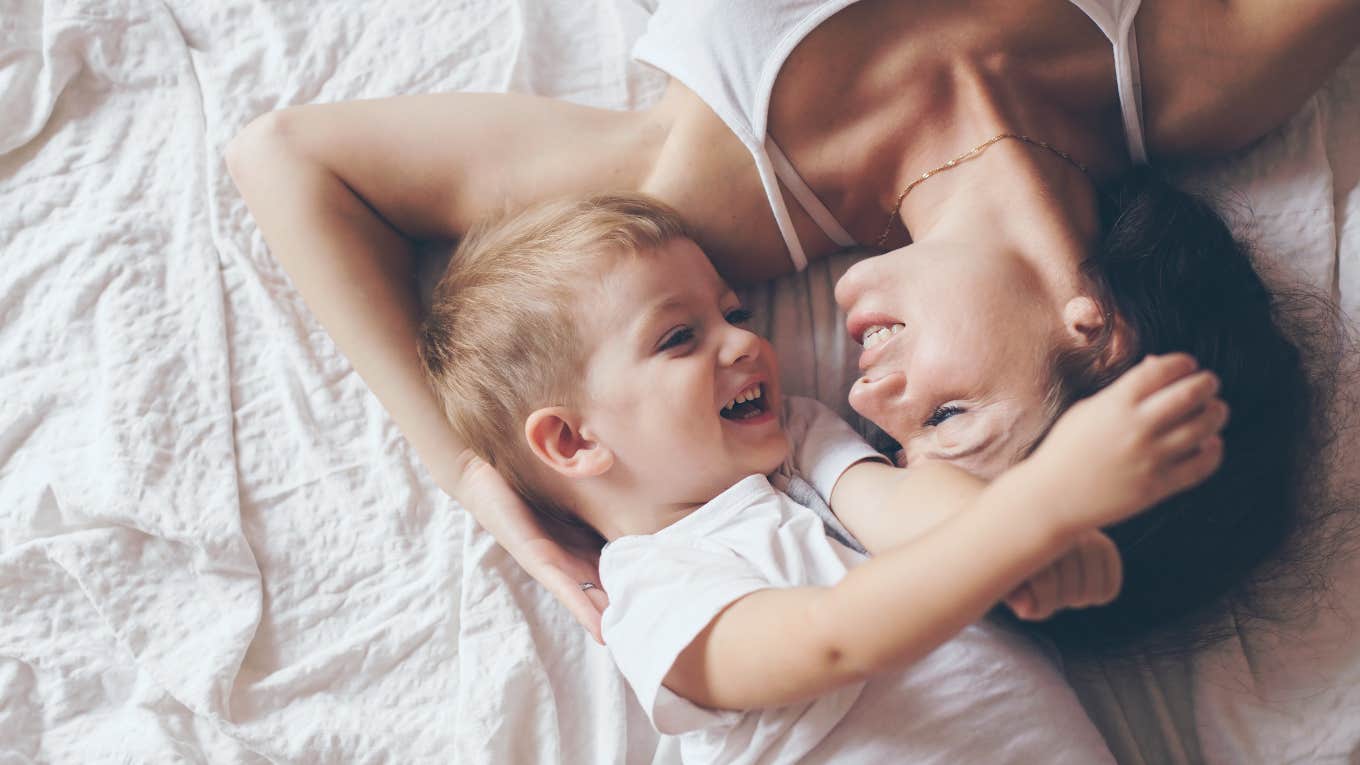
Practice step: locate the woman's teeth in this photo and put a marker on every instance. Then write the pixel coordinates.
(879, 334)
(750, 394)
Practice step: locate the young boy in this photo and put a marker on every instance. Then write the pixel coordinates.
(594, 356)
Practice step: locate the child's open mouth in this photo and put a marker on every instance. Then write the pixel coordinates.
(747, 404)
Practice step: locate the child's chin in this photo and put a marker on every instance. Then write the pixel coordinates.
(765, 465)
(774, 460)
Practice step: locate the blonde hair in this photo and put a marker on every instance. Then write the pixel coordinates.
(501, 337)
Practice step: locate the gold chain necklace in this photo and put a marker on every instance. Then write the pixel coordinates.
(964, 157)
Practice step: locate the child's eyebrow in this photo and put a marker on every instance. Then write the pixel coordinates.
(677, 302)
(642, 328)
(662, 308)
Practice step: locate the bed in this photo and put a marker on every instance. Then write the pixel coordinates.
(216, 547)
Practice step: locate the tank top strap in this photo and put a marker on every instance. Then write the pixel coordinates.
(806, 197)
(1115, 20)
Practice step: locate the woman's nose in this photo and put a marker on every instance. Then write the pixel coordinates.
(853, 284)
(880, 400)
(865, 277)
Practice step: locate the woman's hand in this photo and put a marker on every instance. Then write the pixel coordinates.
(342, 191)
(561, 569)
(1090, 574)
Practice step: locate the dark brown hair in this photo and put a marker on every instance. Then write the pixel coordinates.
(1176, 279)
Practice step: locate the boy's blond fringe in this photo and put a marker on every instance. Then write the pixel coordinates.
(502, 340)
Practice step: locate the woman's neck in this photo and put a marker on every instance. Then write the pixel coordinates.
(1014, 197)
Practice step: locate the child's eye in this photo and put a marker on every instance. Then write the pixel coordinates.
(738, 316)
(942, 414)
(677, 338)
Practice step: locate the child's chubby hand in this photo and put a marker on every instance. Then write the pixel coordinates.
(1152, 433)
(1090, 574)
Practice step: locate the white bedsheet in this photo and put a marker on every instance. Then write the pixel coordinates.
(216, 547)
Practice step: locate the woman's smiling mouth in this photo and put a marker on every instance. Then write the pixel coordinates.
(877, 342)
(880, 333)
(872, 331)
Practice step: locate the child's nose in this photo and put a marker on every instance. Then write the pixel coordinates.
(738, 344)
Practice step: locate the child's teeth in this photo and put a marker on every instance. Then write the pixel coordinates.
(750, 394)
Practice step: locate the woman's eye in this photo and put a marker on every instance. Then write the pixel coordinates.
(677, 338)
(942, 414)
(738, 316)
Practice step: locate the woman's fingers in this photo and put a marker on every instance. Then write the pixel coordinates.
(584, 606)
(563, 572)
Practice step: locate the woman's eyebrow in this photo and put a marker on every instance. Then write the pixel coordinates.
(980, 449)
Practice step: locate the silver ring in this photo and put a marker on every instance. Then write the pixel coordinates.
(587, 586)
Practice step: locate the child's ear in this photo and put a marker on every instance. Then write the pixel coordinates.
(554, 434)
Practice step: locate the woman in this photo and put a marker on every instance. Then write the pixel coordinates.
(1029, 266)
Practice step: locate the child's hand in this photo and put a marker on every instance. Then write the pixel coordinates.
(1090, 574)
(1150, 434)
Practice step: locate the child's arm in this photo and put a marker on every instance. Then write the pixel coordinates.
(1151, 434)
(886, 507)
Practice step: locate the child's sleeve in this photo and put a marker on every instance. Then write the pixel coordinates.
(661, 596)
(824, 445)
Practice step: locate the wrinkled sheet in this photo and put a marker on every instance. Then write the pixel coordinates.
(216, 547)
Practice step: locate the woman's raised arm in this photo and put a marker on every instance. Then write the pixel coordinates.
(342, 192)
(1219, 74)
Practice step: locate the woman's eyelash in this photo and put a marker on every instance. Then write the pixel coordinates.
(942, 414)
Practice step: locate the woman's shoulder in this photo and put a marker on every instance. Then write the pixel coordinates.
(1218, 75)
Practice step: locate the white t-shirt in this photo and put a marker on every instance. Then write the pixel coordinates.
(988, 695)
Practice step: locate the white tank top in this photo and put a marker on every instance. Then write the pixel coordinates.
(729, 53)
